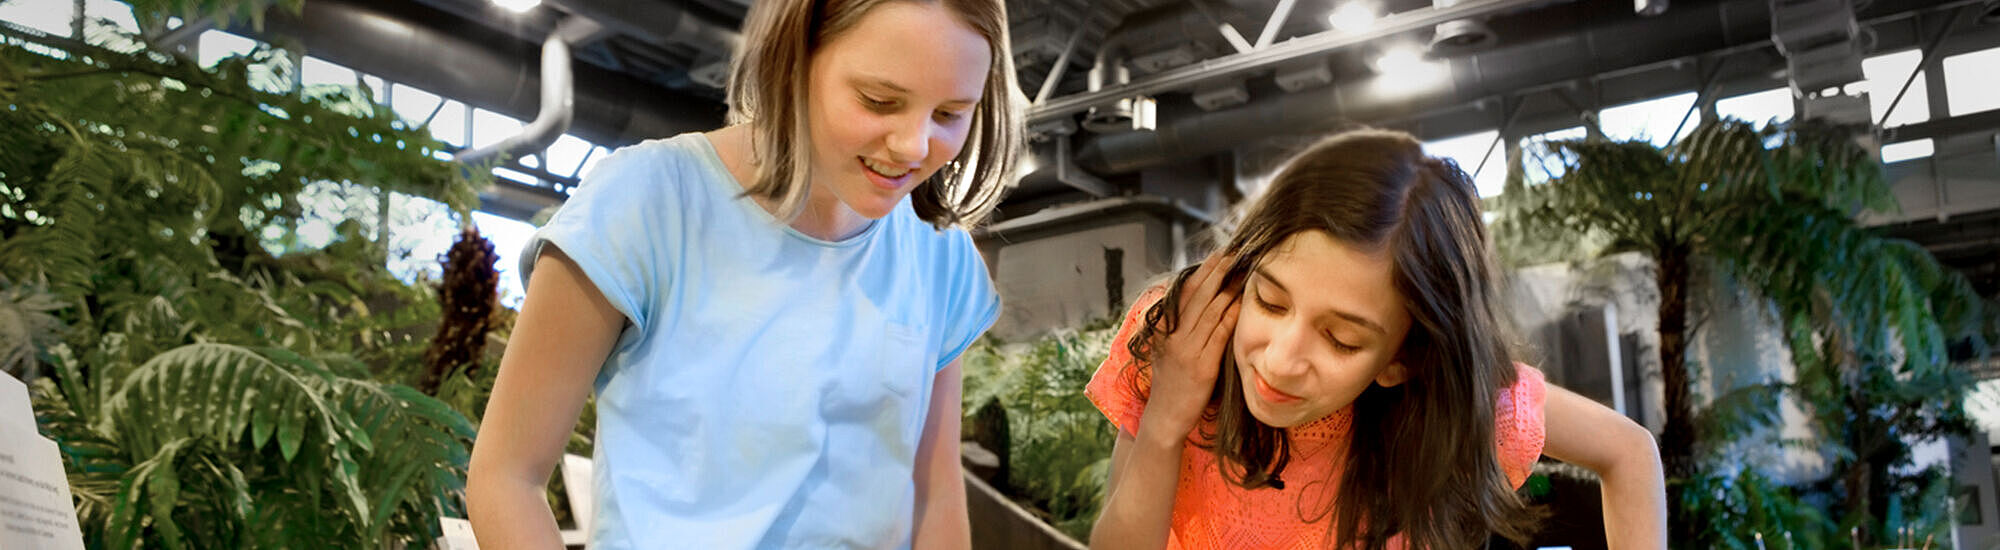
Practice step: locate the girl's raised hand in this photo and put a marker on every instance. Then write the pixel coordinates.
(1188, 359)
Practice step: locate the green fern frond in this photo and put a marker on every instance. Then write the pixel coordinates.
(220, 391)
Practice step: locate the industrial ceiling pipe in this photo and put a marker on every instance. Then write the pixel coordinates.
(611, 109)
(1110, 65)
(1136, 34)
(663, 23)
(658, 22)
(558, 106)
(1200, 133)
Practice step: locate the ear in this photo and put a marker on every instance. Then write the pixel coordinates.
(1392, 374)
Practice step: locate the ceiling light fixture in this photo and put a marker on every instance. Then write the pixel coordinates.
(1405, 69)
(518, 6)
(1351, 17)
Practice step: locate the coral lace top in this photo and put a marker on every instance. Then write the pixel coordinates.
(1211, 512)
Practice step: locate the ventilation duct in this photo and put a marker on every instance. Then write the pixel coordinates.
(1818, 40)
(558, 105)
(1110, 66)
(610, 109)
(663, 23)
(1151, 41)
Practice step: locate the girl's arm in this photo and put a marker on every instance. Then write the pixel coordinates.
(941, 516)
(1139, 501)
(1587, 434)
(1145, 467)
(565, 331)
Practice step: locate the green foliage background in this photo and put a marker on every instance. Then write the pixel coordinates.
(1877, 329)
(1059, 444)
(211, 381)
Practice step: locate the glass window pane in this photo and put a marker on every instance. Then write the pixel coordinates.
(375, 86)
(325, 205)
(216, 45)
(413, 104)
(1972, 81)
(49, 16)
(420, 230)
(515, 176)
(596, 154)
(489, 128)
(320, 71)
(1541, 164)
(1653, 120)
(117, 13)
(449, 124)
(509, 236)
(1470, 152)
(1908, 150)
(566, 154)
(1886, 74)
(1759, 108)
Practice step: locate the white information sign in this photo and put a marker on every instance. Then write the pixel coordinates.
(36, 512)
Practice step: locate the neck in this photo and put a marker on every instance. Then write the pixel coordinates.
(826, 218)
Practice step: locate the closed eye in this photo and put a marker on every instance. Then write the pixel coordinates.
(879, 105)
(1341, 346)
(1273, 308)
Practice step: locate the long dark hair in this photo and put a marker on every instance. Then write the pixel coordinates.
(1423, 460)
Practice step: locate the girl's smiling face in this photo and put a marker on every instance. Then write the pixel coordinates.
(891, 101)
(1320, 321)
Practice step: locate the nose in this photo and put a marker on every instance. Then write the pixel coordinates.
(910, 141)
(1285, 355)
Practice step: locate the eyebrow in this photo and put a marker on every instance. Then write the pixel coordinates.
(893, 87)
(1356, 319)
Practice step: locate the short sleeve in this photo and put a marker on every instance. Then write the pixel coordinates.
(1112, 388)
(971, 303)
(1519, 424)
(614, 225)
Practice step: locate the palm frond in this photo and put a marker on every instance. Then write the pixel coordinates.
(415, 470)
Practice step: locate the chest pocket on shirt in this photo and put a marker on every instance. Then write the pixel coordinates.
(883, 382)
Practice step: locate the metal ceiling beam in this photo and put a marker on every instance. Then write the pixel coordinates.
(662, 23)
(1929, 60)
(1184, 133)
(1243, 65)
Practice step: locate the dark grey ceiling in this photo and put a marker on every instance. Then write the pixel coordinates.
(653, 69)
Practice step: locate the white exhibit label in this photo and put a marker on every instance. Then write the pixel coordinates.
(36, 512)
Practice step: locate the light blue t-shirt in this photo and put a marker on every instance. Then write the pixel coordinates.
(770, 388)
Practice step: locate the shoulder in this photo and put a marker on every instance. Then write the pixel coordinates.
(1522, 402)
(1529, 385)
(1519, 427)
(1120, 362)
(1119, 386)
(645, 155)
(652, 164)
(951, 248)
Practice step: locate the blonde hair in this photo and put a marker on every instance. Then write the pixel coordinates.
(768, 89)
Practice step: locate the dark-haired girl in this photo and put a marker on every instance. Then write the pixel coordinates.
(1337, 376)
